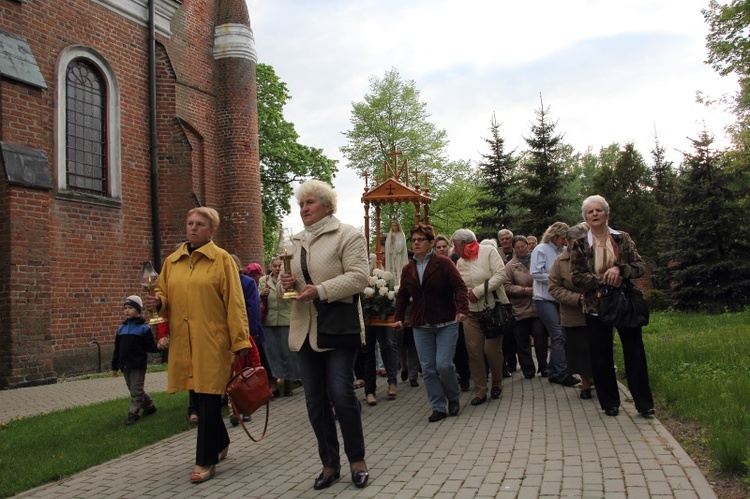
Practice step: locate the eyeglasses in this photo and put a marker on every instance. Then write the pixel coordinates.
(418, 239)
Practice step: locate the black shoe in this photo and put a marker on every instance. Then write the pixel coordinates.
(149, 410)
(614, 411)
(478, 401)
(360, 477)
(464, 385)
(436, 416)
(648, 413)
(233, 419)
(413, 382)
(543, 373)
(506, 374)
(495, 392)
(325, 480)
(566, 381)
(246, 418)
(276, 393)
(529, 375)
(453, 407)
(404, 375)
(586, 393)
(132, 418)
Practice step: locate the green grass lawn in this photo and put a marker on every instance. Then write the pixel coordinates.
(699, 368)
(48, 447)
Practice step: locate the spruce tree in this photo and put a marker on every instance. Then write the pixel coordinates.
(495, 183)
(542, 198)
(665, 183)
(710, 257)
(627, 186)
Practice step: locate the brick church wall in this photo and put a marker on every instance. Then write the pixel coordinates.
(66, 265)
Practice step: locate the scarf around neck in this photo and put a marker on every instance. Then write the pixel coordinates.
(471, 251)
(525, 260)
(314, 229)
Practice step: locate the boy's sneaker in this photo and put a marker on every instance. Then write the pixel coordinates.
(149, 410)
(132, 418)
(233, 419)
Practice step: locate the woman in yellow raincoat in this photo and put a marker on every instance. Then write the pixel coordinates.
(200, 292)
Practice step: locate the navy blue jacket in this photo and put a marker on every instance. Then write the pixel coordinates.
(133, 341)
(252, 303)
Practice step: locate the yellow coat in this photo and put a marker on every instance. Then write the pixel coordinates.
(202, 297)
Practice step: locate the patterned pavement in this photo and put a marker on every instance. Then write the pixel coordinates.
(537, 440)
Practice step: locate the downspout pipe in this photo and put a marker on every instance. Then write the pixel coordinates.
(153, 150)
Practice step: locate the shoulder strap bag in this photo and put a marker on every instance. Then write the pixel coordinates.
(497, 320)
(622, 307)
(247, 391)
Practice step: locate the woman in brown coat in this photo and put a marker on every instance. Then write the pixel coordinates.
(570, 297)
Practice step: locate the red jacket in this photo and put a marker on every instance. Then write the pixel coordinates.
(438, 299)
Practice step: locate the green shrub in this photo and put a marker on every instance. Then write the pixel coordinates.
(657, 300)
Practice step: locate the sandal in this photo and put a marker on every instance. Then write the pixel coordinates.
(200, 477)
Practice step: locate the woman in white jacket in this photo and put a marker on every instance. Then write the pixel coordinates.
(477, 264)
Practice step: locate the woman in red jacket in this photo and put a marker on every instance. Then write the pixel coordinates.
(439, 303)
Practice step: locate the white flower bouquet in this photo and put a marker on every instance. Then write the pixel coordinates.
(379, 298)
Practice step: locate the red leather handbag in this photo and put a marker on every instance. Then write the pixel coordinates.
(248, 391)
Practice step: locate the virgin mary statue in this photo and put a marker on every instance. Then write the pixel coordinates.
(396, 255)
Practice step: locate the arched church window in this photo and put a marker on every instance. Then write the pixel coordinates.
(86, 134)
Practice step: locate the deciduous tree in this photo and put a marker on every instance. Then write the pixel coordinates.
(283, 160)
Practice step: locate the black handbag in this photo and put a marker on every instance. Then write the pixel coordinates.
(497, 320)
(622, 307)
(338, 322)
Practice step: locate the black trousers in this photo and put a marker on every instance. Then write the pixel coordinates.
(461, 358)
(329, 394)
(212, 434)
(601, 338)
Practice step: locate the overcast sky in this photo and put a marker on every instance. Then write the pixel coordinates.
(609, 71)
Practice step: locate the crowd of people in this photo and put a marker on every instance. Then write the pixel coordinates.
(222, 313)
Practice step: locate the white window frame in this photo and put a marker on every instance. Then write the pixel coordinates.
(114, 160)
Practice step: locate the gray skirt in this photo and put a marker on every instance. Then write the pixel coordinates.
(283, 361)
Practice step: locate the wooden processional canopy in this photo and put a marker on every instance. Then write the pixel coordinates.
(394, 188)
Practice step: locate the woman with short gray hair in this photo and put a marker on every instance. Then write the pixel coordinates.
(608, 257)
(478, 264)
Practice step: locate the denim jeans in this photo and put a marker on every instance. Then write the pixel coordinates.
(549, 314)
(327, 380)
(386, 338)
(436, 348)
